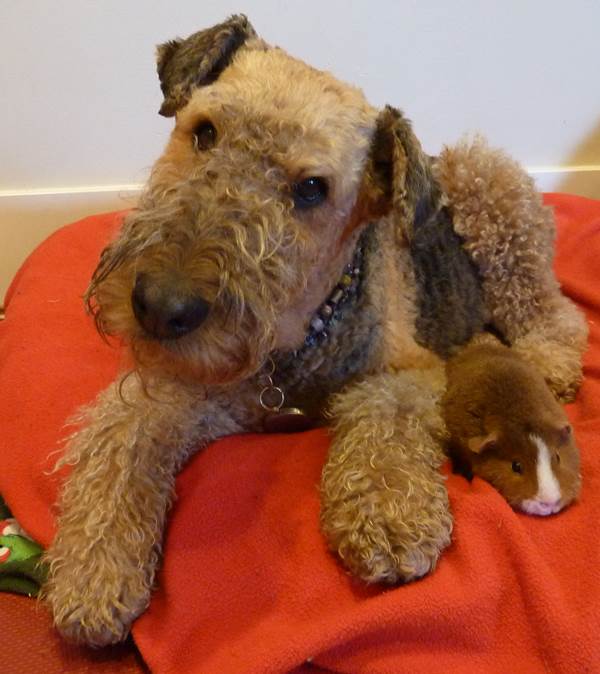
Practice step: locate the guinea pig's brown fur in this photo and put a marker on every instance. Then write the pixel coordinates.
(506, 427)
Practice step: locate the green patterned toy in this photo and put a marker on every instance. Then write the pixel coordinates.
(20, 567)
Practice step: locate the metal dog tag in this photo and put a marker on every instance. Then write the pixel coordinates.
(287, 420)
(279, 419)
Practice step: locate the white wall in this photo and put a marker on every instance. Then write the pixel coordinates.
(80, 94)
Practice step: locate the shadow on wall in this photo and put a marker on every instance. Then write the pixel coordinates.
(585, 158)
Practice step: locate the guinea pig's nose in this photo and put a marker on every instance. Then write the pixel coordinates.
(546, 507)
(543, 508)
(167, 309)
(550, 502)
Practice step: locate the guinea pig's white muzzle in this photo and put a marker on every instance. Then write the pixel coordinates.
(548, 499)
(533, 506)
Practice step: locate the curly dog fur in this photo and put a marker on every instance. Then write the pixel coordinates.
(450, 246)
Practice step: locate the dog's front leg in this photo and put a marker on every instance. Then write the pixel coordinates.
(384, 504)
(113, 505)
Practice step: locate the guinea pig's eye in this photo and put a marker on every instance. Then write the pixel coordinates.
(517, 467)
(557, 456)
(310, 192)
(205, 136)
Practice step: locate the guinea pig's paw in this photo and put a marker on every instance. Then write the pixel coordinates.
(566, 394)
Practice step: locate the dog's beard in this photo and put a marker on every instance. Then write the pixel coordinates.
(230, 345)
(247, 268)
(217, 353)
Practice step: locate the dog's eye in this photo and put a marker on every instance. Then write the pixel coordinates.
(517, 467)
(310, 192)
(205, 136)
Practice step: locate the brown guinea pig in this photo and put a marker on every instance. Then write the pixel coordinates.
(506, 427)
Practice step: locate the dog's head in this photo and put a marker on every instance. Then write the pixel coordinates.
(271, 173)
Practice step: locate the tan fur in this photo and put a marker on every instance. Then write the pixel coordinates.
(384, 504)
(510, 236)
(223, 219)
(399, 349)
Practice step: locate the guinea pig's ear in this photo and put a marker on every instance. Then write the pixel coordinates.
(481, 443)
(198, 60)
(397, 178)
(565, 434)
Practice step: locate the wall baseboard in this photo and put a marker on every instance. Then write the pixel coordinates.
(28, 216)
(581, 180)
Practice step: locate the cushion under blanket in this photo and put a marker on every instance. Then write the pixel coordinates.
(248, 585)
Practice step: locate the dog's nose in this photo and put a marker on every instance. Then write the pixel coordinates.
(166, 310)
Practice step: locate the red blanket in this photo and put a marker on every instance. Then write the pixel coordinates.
(248, 585)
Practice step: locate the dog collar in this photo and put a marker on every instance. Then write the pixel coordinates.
(331, 310)
(281, 419)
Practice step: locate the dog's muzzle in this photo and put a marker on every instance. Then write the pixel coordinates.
(167, 309)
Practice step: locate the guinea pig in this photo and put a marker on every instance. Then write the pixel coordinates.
(506, 427)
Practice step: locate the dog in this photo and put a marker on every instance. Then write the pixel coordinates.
(295, 258)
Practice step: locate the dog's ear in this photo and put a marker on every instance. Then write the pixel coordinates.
(397, 178)
(198, 60)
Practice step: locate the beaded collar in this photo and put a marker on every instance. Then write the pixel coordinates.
(330, 311)
(280, 419)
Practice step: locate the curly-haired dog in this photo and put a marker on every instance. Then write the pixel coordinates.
(294, 241)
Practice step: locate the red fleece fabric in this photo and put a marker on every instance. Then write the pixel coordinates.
(247, 584)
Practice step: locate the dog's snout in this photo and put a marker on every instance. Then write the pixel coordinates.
(167, 310)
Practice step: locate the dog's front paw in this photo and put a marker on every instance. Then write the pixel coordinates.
(386, 537)
(93, 601)
(88, 625)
